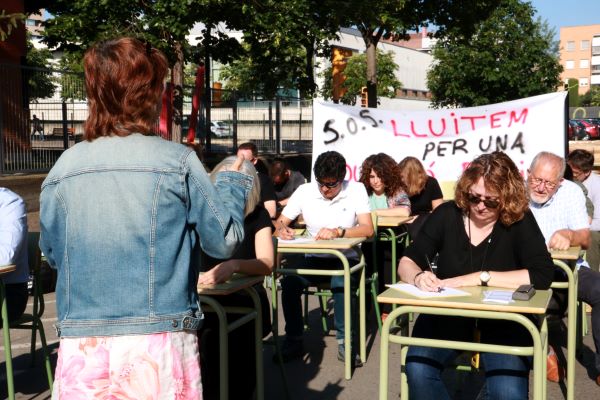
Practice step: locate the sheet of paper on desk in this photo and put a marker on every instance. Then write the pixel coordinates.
(415, 291)
(301, 239)
(498, 296)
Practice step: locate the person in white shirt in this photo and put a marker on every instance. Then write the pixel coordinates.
(581, 163)
(559, 208)
(332, 208)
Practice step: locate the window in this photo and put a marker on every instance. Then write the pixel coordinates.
(585, 45)
(583, 82)
(584, 63)
(569, 64)
(571, 45)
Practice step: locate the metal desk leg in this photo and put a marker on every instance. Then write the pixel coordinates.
(260, 389)
(7, 348)
(223, 346)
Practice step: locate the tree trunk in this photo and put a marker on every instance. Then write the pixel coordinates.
(371, 46)
(177, 79)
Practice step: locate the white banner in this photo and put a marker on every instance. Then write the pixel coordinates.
(444, 140)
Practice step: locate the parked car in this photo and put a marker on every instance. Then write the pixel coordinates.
(576, 131)
(220, 129)
(592, 129)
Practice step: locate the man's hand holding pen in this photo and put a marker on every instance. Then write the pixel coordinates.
(283, 231)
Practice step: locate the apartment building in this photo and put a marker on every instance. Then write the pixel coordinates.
(580, 55)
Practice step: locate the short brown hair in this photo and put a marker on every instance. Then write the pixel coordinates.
(582, 159)
(386, 169)
(249, 146)
(124, 81)
(413, 175)
(501, 175)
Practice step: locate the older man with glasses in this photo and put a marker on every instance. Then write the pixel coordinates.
(559, 209)
(332, 208)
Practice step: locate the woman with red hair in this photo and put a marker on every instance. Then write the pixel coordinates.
(123, 216)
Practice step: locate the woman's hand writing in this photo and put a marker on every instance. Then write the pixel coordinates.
(427, 281)
(219, 273)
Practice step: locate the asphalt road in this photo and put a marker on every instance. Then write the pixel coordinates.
(318, 376)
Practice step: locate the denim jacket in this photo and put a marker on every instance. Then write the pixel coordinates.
(120, 220)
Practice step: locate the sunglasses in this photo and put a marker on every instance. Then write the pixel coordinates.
(489, 203)
(329, 185)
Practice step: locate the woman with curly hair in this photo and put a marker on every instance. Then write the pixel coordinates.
(487, 236)
(381, 176)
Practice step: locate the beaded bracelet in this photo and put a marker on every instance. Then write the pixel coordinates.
(415, 278)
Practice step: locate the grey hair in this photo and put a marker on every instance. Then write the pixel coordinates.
(552, 158)
(246, 168)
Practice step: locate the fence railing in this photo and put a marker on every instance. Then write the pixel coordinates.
(42, 114)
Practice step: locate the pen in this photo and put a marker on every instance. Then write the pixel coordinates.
(440, 289)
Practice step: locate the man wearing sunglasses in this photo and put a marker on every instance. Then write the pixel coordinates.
(332, 208)
(559, 208)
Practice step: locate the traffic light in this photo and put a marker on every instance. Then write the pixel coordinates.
(364, 97)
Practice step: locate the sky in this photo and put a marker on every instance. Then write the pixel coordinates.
(568, 13)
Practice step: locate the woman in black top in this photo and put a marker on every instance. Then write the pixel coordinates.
(423, 191)
(486, 236)
(254, 256)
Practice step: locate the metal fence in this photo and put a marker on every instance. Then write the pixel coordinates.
(42, 114)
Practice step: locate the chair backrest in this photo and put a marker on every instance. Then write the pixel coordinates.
(33, 251)
(448, 189)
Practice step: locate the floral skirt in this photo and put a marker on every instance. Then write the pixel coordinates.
(156, 366)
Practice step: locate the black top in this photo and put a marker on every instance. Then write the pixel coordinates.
(519, 246)
(253, 223)
(267, 191)
(420, 203)
(507, 248)
(285, 190)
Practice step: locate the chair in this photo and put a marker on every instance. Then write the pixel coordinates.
(323, 292)
(33, 320)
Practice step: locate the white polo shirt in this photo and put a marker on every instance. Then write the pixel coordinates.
(592, 184)
(564, 210)
(319, 212)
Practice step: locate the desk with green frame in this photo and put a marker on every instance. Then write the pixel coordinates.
(336, 248)
(468, 306)
(5, 269)
(238, 282)
(565, 260)
(391, 234)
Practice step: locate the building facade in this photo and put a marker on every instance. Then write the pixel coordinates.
(580, 55)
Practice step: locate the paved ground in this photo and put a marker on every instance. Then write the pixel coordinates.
(318, 376)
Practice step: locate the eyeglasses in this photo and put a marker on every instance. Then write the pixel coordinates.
(489, 203)
(537, 182)
(328, 185)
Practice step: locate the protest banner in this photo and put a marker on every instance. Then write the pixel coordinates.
(445, 140)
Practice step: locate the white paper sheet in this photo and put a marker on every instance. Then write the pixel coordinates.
(415, 291)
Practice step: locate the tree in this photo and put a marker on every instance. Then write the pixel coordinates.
(162, 23)
(510, 56)
(39, 82)
(355, 71)
(392, 19)
(573, 88)
(591, 98)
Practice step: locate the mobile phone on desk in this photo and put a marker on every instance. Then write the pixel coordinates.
(524, 292)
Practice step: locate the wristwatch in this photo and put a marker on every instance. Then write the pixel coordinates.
(484, 277)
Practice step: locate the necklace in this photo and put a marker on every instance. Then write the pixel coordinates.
(487, 245)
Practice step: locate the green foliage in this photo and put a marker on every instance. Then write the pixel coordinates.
(392, 19)
(573, 85)
(591, 98)
(510, 56)
(40, 84)
(8, 22)
(355, 71)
